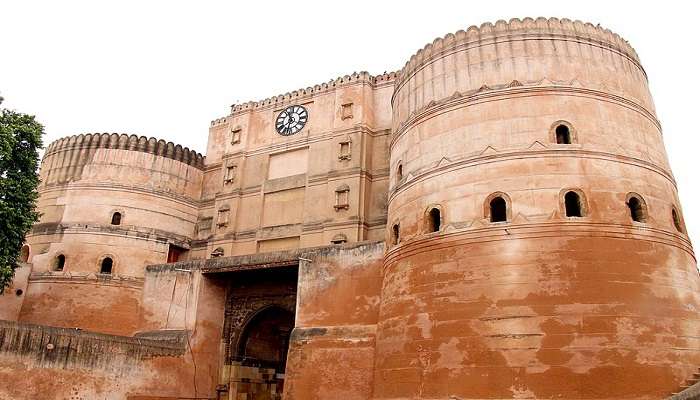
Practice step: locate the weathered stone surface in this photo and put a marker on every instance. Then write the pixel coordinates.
(498, 219)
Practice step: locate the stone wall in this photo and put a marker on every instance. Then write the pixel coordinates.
(86, 179)
(331, 353)
(545, 301)
(181, 361)
(265, 192)
(493, 283)
(39, 362)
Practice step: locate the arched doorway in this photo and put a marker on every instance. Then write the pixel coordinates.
(264, 340)
(259, 355)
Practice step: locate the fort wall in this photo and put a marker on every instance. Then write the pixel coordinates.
(264, 191)
(542, 295)
(177, 361)
(338, 334)
(496, 220)
(131, 200)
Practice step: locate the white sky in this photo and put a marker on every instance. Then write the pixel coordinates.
(167, 68)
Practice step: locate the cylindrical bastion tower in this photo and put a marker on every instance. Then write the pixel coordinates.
(110, 204)
(536, 246)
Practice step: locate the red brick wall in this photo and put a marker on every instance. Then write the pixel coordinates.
(331, 352)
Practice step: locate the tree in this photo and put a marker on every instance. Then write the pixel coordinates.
(20, 139)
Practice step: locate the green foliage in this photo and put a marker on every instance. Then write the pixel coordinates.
(20, 139)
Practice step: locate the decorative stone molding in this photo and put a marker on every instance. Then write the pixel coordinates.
(503, 90)
(342, 197)
(356, 77)
(64, 348)
(489, 32)
(345, 151)
(130, 231)
(91, 278)
(339, 239)
(127, 142)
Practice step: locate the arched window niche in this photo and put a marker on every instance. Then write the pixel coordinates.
(59, 263)
(116, 218)
(562, 132)
(339, 239)
(677, 220)
(107, 265)
(497, 207)
(574, 203)
(395, 234)
(433, 219)
(636, 207)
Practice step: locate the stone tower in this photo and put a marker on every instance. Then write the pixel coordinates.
(535, 243)
(495, 220)
(110, 204)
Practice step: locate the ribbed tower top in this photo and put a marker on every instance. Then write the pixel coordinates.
(123, 141)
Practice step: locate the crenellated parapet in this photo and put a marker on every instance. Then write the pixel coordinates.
(531, 213)
(354, 78)
(488, 32)
(519, 50)
(123, 141)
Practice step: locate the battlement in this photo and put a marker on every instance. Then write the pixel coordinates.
(363, 76)
(128, 142)
(553, 27)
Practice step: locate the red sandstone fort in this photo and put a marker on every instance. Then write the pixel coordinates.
(496, 220)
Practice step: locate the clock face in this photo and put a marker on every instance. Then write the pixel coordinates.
(291, 120)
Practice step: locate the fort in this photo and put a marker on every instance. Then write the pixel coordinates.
(495, 220)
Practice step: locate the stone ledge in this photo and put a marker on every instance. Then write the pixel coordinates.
(104, 279)
(276, 259)
(63, 348)
(691, 393)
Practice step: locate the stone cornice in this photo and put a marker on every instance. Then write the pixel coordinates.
(127, 142)
(535, 150)
(86, 278)
(285, 258)
(355, 78)
(122, 188)
(76, 349)
(552, 28)
(126, 231)
(516, 89)
(483, 232)
(315, 180)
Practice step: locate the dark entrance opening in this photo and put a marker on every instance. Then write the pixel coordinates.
(258, 323)
(176, 253)
(499, 212)
(265, 339)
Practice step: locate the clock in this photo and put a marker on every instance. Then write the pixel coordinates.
(291, 120)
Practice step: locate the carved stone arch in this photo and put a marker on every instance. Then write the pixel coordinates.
(240, 327)
(570, 132)
(488, 206)
(579, 196)
(116, 216)
(637, 207)
(339, 239)
(107, 264)
(399, 172)
(433, 218)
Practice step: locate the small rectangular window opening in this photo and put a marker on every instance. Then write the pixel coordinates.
(344, 151)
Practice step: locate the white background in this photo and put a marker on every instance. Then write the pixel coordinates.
(167, 68)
